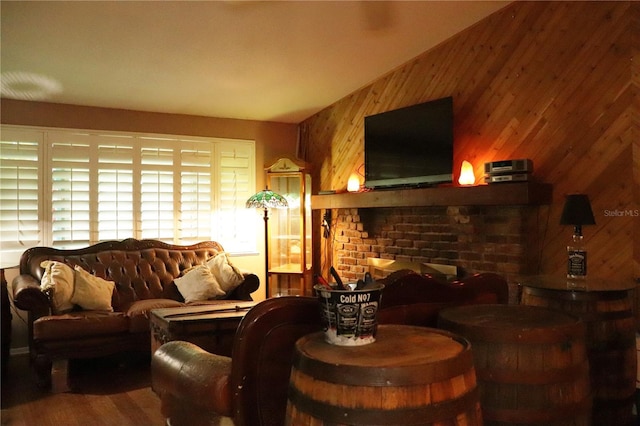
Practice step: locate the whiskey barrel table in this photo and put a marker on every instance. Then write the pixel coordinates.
(606, 307)
(531, 363)
(409, 375)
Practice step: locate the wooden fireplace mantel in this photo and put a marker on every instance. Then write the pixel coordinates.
(521, 193)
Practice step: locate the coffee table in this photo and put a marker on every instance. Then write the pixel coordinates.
(212, 327)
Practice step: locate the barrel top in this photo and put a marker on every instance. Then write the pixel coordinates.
(590, 284)
(511, 323)
(395, 346)
(401, 355)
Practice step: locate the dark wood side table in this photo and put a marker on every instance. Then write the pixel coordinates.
(606, 307)
(212, 327)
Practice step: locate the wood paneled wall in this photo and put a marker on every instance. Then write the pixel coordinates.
(556, 82)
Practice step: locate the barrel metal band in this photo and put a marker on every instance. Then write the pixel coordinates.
(534, 377)
(427, 414)
(561, 334)
(544, 415)
(606, 315)
(581, 296)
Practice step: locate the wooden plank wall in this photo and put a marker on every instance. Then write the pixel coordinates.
(635, 137)
(551, 81)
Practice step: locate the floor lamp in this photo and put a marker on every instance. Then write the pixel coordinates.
(265, 200)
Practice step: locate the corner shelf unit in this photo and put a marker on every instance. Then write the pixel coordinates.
(289, 262)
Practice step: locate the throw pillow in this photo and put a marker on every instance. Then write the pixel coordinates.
(58, 279)
(228, 276)
(198, 283)
(91, 292)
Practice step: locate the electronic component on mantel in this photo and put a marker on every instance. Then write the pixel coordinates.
(508, 171)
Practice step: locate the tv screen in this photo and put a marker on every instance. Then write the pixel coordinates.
(411, 146)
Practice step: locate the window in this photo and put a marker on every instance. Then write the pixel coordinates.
(20, 186)
(237, 182)
(70, 189)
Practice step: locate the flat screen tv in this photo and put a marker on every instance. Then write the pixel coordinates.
(410, 146)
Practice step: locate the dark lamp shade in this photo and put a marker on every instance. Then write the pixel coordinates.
(577, 211)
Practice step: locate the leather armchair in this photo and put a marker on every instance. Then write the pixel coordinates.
(199, 388)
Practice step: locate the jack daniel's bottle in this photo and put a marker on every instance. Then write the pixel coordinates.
(577, 212)
(577, 257)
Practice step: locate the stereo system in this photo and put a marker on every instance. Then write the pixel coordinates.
(508, 171)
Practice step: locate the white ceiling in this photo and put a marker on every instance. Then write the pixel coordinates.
(261, 60)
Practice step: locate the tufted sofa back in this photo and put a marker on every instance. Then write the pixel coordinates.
(141, 269)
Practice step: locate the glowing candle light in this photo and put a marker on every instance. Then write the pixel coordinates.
(353, 184)
(466, 174)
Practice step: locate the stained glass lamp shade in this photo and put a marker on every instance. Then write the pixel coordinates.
(267, 199)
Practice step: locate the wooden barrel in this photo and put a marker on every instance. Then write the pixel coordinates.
(409, 375)
(611, 345)
(531, 363)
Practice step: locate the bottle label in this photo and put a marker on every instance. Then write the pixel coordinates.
(577, 265)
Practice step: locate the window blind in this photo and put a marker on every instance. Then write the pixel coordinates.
(20, 192)
(97, 187)
(196, 201)
(71, 191)
(115, 189)
(233, 222)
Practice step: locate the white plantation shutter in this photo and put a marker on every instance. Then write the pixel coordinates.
(156, 205)
(157, 189)
(115, 189)
(234, 224)
(70, 189)
(115, 204)
(21, 157)
(196, 195)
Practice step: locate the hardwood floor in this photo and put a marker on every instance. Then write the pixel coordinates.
(108, 391)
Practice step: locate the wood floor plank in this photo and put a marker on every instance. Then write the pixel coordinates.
(105, 392)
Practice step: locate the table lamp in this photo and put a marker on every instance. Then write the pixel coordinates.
(266, 199)
(577, 212)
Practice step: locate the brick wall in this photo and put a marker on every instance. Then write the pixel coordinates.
(476, 239)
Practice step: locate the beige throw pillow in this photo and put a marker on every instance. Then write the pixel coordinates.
(91, 292)
(198, 283)
(58, 279)
(228, 276)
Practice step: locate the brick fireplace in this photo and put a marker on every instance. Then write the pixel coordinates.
(489, 233)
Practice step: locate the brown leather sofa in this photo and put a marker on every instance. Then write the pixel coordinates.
(250, 388)
(143, 272)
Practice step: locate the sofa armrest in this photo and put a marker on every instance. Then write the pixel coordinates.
(187, 378)
(243, 292)
(28, 296)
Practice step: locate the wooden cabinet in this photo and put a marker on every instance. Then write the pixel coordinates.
(289, 264)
